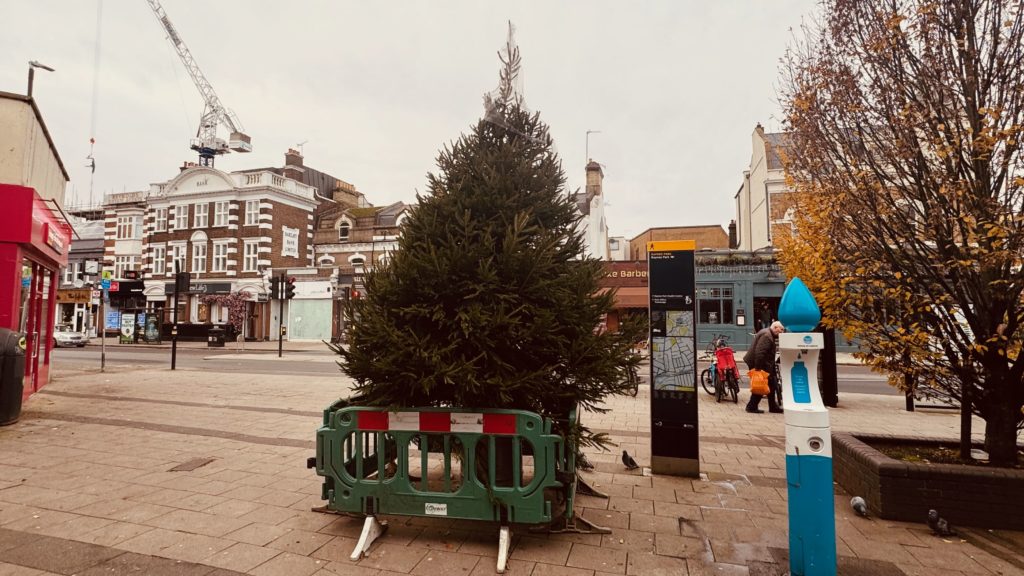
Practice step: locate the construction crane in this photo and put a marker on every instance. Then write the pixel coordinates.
(206, 142)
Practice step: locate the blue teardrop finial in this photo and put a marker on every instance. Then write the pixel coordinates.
(798, 310)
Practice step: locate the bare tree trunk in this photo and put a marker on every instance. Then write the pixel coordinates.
(1001, 431)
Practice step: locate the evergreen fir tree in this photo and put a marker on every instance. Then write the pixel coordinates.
(489, 301)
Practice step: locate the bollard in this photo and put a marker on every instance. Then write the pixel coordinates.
(812, 522)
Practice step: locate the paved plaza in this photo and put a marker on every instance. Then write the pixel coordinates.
(155, 472)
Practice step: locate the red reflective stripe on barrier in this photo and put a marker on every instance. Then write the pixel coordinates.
(435, 422)
(372, 420)
(499, 423)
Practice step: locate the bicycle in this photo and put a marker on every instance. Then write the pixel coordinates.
(721, 378)
(709, 375)
(727, 380)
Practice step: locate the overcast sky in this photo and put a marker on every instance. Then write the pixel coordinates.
(375, 89)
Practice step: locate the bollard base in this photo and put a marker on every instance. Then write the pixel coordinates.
(675, 466)
(812, 522)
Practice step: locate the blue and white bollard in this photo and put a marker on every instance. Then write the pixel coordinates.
(812, 521)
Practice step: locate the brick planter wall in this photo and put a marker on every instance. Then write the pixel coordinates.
(896, 490)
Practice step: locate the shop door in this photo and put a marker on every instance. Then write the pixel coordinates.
(36, 323)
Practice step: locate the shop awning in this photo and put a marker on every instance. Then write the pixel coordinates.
(631, 297)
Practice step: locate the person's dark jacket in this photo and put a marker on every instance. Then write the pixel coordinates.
(761, 355)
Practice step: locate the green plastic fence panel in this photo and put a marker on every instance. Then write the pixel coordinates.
(366, 456)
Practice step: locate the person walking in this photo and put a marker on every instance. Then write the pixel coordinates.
(761, 356)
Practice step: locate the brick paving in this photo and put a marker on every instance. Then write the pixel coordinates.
(202, 473)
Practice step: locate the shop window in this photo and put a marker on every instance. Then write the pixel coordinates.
(714, 304)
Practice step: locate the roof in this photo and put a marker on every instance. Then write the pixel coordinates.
(88, 229)
(706, 236)
(363, 212)
(39, 117)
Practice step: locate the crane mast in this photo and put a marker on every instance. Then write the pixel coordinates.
(206, 142)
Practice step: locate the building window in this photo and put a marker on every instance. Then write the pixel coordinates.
(251, 255)
(159, 260)
(123, 264)
(357, 260)
(177, 258)
(714, 304)
(125, 227)
(220, 214)
(161, 220)
(220, 257)
(343, 230)
(201, 218)
(180, 217)
(199, 257)
(252, 212)
(71, 272)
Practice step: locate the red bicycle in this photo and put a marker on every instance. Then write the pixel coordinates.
(727, 382)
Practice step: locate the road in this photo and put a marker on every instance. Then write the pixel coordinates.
(852, 379)
(310, 362)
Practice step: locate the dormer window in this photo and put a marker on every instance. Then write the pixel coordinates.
(343, 230)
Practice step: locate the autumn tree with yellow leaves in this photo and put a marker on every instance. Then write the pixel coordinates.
(905, 120)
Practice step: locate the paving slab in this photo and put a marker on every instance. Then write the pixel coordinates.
(162, 479)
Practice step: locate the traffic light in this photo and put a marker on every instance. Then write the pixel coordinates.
(355, 293)
(289, 289)
(275, 288)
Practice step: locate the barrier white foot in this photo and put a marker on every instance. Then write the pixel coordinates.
(504, 542)
(372, 529)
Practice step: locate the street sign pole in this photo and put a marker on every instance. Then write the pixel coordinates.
(103, 331)
(174, 328)
(178, 279)
(280, 316)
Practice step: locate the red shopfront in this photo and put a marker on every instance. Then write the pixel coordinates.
(34, 241)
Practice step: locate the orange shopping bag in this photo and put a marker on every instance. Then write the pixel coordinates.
(758, 382)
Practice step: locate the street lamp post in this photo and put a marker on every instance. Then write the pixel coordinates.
(32, 65)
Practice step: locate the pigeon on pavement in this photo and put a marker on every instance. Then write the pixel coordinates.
(628, 461)
(939, 525)
(859, 506)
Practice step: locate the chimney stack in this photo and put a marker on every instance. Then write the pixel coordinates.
(595, 178)
(293, 167)
(734, 242)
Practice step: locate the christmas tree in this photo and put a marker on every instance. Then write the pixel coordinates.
(489, 301)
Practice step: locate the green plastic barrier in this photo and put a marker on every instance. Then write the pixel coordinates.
(510, 467)
(368, 461)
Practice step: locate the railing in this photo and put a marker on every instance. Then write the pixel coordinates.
(273, 180)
